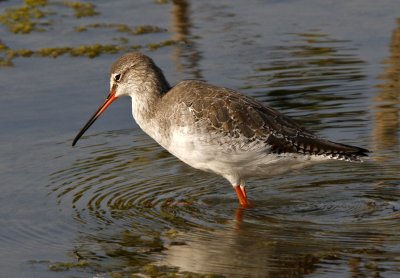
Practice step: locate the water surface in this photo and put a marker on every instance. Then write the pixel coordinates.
(118, 205)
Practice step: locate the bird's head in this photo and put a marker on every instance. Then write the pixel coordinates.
(135, 75)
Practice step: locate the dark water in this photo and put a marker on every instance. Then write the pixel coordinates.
(118, 205)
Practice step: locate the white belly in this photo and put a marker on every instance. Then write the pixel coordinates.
(231, 160)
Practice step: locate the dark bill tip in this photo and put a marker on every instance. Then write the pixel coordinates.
(110, 99)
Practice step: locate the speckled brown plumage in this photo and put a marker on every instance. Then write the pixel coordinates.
(234, 115)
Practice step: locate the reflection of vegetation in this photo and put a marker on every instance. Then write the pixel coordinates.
(32, 15)
(387, 100)
(186, 58)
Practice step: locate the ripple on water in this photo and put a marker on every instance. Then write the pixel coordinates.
(312, 72)
(140, 184)
(135, 201)
(328, 214)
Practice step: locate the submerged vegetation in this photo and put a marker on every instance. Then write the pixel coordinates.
(30, 15)
(136, 250)
(123, 28)
(81, 9)
(90, 51)
(25, 18)
(39, 16)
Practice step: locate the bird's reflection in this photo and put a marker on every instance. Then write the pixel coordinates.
(266, 247)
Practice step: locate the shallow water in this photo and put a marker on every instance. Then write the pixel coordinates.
(117, 204)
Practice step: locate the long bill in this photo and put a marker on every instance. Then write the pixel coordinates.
(110, 99)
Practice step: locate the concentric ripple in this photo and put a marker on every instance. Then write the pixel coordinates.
(140, 184)
(134, 201)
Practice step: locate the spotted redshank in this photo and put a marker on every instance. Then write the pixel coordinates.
(216, 129)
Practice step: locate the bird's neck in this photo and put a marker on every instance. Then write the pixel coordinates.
(145, 114)
(146, 102)
(147, 91)
(144, 109)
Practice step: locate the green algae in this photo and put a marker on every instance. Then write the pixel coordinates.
(90, 51)
(162, 2)
(121, 40)
(23, 19)
(151, 270)
(52, 52)
(30, 15)
(94, 50)
(36, 16)
(36, 2)
(123, 28)
(155, 46)
(3, 46)
(145, 29)
(64, 266)
(81, 9)
(133, 248)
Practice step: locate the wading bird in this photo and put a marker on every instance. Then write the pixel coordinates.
(216, 129)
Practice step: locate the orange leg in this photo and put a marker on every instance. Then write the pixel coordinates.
(242, 196)
(243, 191)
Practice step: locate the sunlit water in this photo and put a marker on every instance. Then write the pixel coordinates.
(117, 204)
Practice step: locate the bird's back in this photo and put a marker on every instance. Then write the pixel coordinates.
(240, 123)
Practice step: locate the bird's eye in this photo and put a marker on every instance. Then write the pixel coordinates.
(117, 77)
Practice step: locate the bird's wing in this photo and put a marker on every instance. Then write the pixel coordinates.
(235, 115)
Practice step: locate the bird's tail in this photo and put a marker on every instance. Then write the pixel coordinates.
(331, 150)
